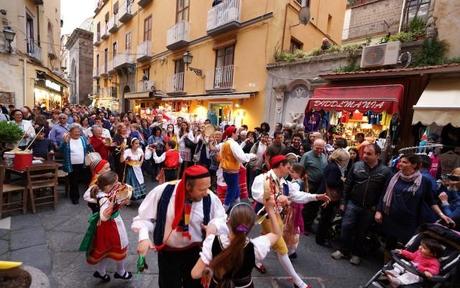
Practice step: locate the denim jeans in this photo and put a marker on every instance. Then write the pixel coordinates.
(355, 224)
(233, 188)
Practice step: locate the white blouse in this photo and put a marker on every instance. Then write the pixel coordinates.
(261, 247)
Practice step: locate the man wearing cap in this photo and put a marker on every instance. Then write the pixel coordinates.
(231, 158)
(176, 213)
(273, 183)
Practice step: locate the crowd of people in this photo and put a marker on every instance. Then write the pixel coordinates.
(291, 182)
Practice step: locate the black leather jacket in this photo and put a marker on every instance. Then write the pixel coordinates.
(364, 186)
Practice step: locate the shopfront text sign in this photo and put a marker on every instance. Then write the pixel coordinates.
(350, 105)
(53, 85)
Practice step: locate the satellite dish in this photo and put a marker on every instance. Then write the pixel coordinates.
(304, 15)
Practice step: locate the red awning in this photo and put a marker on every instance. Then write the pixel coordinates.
(363, 98)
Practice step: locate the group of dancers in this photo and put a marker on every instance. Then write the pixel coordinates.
(199, 241)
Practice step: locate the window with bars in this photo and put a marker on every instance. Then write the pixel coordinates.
(414, 9)
(148, 29)
(128, 41)
(182, 10)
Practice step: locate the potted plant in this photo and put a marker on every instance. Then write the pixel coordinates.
(10, 134)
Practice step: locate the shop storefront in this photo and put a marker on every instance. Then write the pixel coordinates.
(143, 103)
(347, 111)
(48, 93)
(219, 109)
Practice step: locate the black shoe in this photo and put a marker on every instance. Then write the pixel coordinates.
(293, 256)
(75, 201)
(125, 276)
(105, 278)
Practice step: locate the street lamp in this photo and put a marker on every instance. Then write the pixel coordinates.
(9, 34)
(187, 58)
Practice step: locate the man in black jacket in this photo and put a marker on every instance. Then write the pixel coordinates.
(364, 186)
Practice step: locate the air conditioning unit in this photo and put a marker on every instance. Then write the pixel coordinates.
(381, 55)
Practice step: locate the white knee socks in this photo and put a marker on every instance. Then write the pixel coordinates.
(121, 267)
(101, 267)
(287, 266)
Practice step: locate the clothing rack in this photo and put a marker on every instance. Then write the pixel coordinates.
(418, 149)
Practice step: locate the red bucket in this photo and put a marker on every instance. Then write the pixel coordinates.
(22, 160)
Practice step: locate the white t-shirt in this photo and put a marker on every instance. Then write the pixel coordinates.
(77, 153)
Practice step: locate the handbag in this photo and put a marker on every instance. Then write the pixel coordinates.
(189, 143)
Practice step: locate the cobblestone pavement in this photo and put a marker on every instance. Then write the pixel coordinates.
(49, 241)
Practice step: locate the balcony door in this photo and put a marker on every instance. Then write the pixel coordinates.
(148, 29)
(182, 10)
(178, 78)
(223, 74)
(30, 34)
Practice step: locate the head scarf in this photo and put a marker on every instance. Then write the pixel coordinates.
(182, 205)
(230, 131)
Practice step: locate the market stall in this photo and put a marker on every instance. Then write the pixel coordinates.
(436, 119)
(347, 111)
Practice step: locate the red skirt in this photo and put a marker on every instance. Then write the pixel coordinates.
(106, 243)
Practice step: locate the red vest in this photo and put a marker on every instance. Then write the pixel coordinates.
(172, 158)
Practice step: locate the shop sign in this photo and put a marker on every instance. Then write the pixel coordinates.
(52, 85)
(350, 105)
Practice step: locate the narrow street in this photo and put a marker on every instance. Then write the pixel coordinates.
(49, 241)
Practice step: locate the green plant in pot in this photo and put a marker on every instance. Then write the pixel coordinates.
(10, 134)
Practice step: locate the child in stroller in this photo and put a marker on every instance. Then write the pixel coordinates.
(448, 257)
(425, 259)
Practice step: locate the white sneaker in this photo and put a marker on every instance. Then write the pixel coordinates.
(337, 255)
(355, 260)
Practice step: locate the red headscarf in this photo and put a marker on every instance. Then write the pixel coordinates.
(192, 172)
(229, 131)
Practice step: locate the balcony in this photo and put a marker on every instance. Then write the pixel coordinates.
(124, 60)
(96, 90)
(176, 84)
(96, 74)
(34, 50)
(144, 51)
(97, 39)
(178, 36)
(224, 17)
(221, 78)
(113, 24)
(104, 70)
(51, 53)
(143, 3)
(145, 86)
(105, 32)
(126, 11)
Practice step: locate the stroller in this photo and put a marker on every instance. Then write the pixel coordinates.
(449, 260)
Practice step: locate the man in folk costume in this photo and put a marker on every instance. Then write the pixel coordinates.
(176, 213)
(273, 183)
(231, 158)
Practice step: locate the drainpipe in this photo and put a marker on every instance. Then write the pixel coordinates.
(24, 71)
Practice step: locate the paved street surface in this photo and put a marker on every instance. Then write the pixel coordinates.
(49, 241)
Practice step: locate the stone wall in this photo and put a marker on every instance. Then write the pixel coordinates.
(447, 14)
(369, 19)
(12, 78)
(85, 71)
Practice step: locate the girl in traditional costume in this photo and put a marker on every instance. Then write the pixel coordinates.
(106, 237)
(98, 166)
(133, 158)
(229, 258)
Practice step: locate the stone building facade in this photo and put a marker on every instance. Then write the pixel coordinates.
(372, 18)
(80, 47)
